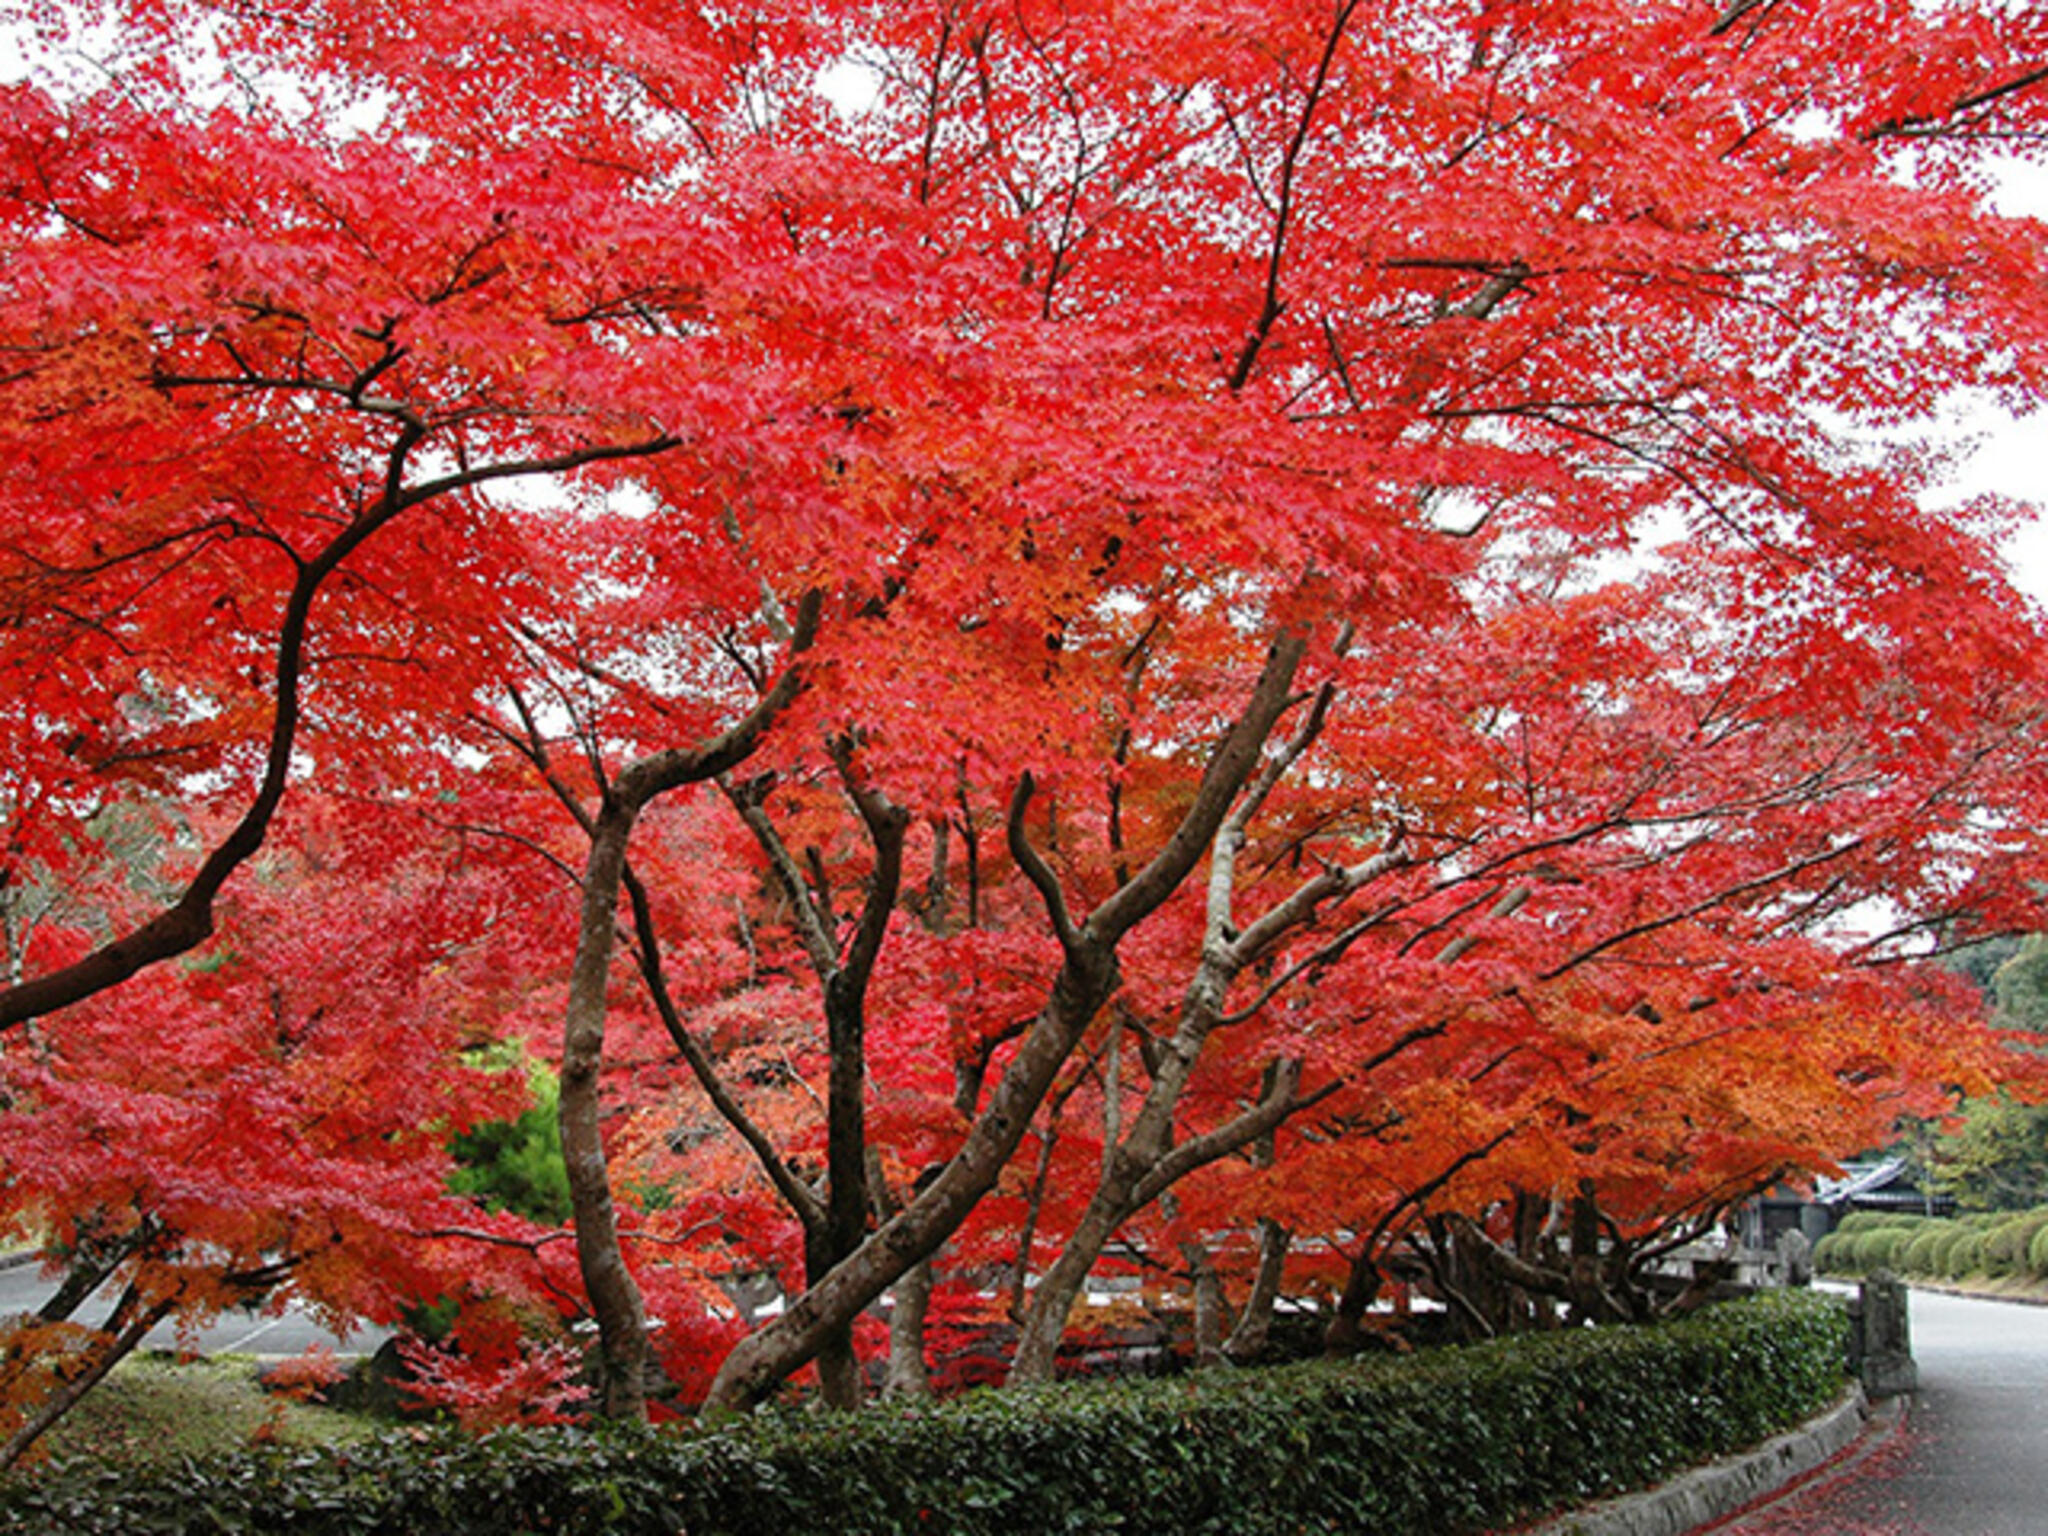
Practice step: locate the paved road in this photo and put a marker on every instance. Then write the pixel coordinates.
(23, 1289)
(1972, 1456)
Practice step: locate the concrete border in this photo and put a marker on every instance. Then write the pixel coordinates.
(1706, 1494)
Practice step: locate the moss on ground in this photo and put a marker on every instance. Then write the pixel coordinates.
(155, 1409)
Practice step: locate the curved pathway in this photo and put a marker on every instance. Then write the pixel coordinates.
(1971, 1455)
(239, 1331)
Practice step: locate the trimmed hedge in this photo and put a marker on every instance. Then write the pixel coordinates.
(1997, 1245)
(2007, 1246)
(1447, 1441)
(1870, 1221)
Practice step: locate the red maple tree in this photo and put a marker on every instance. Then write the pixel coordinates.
(1377, 565)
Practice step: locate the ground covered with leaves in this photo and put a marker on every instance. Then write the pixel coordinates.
(156, 1410)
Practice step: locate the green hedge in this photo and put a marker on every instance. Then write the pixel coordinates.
(1447, 1441)
(1870, 1221)
(1998, 1245)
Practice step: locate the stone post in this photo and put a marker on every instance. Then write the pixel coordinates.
(1880, 1337)
(1795, 1258)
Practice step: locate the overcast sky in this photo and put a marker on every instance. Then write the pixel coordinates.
(2012, 459)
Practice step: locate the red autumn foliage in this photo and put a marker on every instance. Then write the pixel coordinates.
(1150, 618)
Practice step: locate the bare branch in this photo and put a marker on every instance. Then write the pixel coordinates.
(1036, 870)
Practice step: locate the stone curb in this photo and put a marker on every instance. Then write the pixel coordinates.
(1720, 1488)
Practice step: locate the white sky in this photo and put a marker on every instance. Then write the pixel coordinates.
(2011, 458)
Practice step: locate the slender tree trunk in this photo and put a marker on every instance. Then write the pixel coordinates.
(1115, 1197)
(909, 1376)
(615, 1302)
(1247, 1340)
(614, 1297)
(1052, 1299)
(1034, 1204)
(130, 1326)
(766, 1357)
(840, 1383)
(1147, 1162)
(1141, 1170)
(839, 1375)
(906, 1375)
(1532, 1218)
(1087, 977)
(1346, 1330)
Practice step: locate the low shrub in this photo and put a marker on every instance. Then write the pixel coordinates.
(1921, 1258)
(2007, 1245)
(1880, 1248)
(2037, 1255)
(1835, 1254)
(1869, 1221)
(1951, 1240)
(1963, 1256)
(1447, 1441)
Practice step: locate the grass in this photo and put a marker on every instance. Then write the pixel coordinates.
(155, 1409)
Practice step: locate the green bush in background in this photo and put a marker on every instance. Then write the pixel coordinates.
(1964, 1256)
(2006, 1245)
(1921, 1255)
(1868, 1221)
(1997, 1245)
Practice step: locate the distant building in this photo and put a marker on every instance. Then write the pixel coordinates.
(1882, 1185)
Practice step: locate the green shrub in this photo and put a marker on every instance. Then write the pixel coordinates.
(1880, 1248)
(2037, 1255)
(1950, 1240)
(1964, 1255)
(516, 1165)
(2006, 1246)
(1869, 1221)
(1448, 1441)
(1834, 1254)
(1921, 1257)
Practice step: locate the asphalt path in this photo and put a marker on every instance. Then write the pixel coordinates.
(238, 1332)
(1970, 1456)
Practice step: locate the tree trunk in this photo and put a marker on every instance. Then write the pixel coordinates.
(1135, 1175)
(840, 1383)
(1346, 1330)
(908, 1375)
(1052, 1299)
(614, 1297)
(1532, 1217)
(129, 1327)
(1087, 977)
(839, 1375)
(615, 1302)
(1247, 1340)
(765, 1358)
